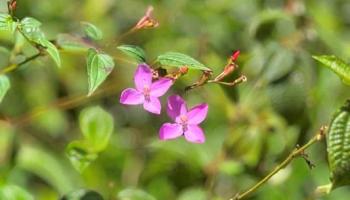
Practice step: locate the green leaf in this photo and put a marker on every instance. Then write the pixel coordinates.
(47, 166)
(4, 86)
(193, 193)
(174, 59)
(134, 194)
(7, 23)
(51, 50)
(338, 147)
(82, 194)
(99, 66)
(96, 126)
(337, 65)
(134, 51)
(80, 155)
(92, 31)
(72, 43)
(13, 192)
(30, 27)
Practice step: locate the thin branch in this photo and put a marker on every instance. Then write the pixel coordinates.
(295, 153)
(13, 67)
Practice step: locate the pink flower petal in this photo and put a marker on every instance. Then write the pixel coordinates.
(176, 106)
(194, 134)
(160, 87)
(153, 105)
(170, 131)
(130, 96)
(143, 77)
(197, 114)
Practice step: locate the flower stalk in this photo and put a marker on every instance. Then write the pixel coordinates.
(299, 151)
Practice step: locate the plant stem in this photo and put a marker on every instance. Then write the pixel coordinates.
(295, 153)
(13, 67)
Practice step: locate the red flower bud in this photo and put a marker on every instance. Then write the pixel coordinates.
(235, 55)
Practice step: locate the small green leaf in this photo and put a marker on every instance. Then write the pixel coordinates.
(30, 27)
(82, 194)
(134, 194)
(47, 166)
(134, 51)
(338, 147)
(13, 192)
(174, 59)
(96, 126)
(72, 43)
(99, 66)
(337, 65)
(51, 50)
(80, 155)
(7, 23)
(193, 193)
(4, 86)
(92, 31)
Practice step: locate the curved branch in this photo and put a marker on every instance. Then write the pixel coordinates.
(295, 153)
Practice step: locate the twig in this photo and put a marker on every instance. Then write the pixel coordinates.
(13, 67)
(295, 153)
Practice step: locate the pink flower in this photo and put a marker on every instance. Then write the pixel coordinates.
(146, 92)
(186, 121)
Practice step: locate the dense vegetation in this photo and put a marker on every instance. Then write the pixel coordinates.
(80, 83)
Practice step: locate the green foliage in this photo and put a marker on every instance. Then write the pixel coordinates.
(72, 44)
(337, 65)
(7, 23)
(82, 194)
(54, 172)
(99, 66)
(80, 155)
(134, 52)
(174, 59)
(97, 127)
(4, 86)
(51, 50)
(13, 192)
(338, 147)
(30, 28)
(134, 194)
(249, 128)
(92, 31)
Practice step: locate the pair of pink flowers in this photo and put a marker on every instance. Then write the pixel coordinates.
(147, 92)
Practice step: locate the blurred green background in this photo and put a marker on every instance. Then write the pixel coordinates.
(249, 129)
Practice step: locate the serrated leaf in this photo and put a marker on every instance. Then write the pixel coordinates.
(52, 50)
(338, 147)
(82, 194)
(99, 66)
(92, 31)
(30, 27)
(174, 59)
(96, 126)
(80, 155)
(7, 23)
(134, 51)
(4, 86)
(13, 192)
(134, 194)
(337, 65)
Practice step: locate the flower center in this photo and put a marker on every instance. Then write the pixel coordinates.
(183, 119)
(146, 92)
